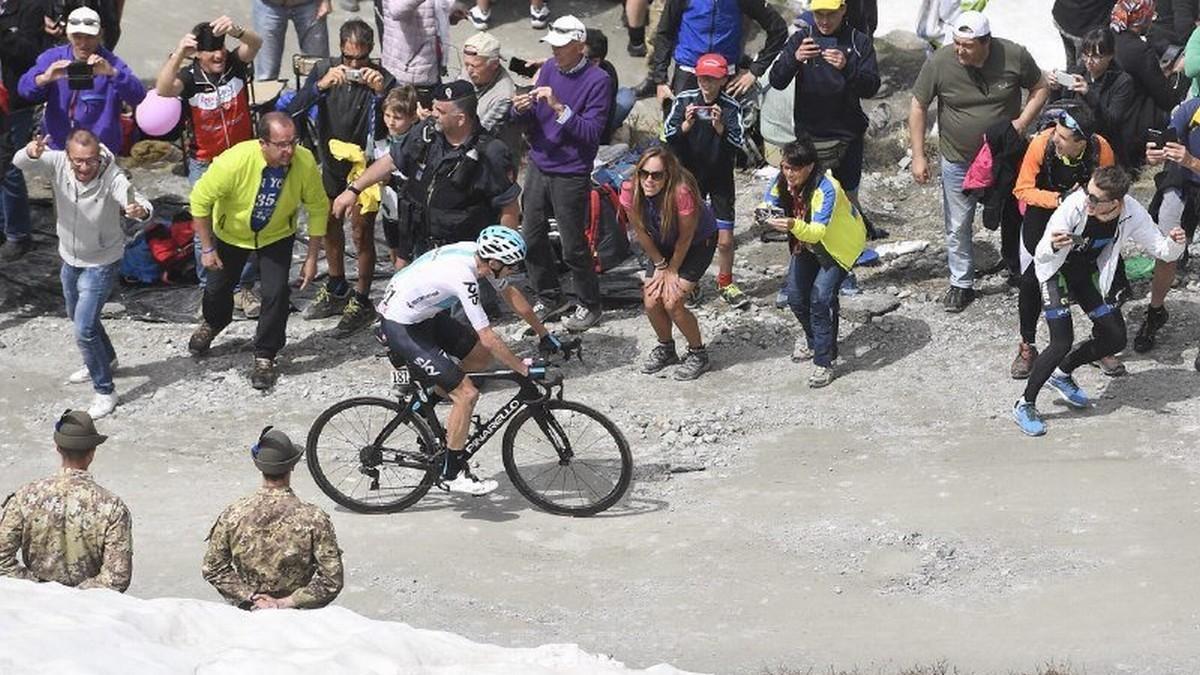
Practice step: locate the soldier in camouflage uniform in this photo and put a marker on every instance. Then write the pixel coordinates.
(67, 528)
(270, 550)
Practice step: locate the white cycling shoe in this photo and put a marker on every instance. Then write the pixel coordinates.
(467, 484)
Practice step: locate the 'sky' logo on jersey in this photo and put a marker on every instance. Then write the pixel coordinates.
(473, 292)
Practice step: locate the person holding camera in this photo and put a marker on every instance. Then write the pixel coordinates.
(83, 84)
(1175, 204)
(833, 67)
(348, 93)
(216, 99)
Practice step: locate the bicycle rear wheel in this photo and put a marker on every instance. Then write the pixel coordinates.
(567, 458)
(370, 455)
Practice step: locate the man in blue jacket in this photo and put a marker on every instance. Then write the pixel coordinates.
(690, 29)
(91, 102)
(834, 68)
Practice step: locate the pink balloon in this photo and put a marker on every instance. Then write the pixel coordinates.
(156, 115)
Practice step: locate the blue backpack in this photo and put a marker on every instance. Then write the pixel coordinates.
(138, 265)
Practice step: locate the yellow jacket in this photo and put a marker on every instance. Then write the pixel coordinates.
(227, 191)
(833, 223)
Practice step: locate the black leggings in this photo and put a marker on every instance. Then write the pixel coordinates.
(1108, 327)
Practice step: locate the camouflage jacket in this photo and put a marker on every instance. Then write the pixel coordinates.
(69, 530)
(273, 543)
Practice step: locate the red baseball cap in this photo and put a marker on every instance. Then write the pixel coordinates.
(712, 65)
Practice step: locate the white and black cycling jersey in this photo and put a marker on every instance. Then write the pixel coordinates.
(433, 283)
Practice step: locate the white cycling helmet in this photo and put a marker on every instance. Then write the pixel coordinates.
(505, 244)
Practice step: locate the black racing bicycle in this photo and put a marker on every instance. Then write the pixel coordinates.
(378, 455)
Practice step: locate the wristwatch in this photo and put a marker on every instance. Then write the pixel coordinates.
(351, 187)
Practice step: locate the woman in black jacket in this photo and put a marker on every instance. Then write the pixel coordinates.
(1108, 91)
(1153, 96)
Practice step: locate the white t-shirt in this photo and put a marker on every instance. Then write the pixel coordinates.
(432, 284)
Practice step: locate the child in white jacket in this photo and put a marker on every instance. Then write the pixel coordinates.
(91, 196)
(1078, 256)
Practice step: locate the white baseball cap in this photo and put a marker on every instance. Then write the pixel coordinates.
(971, 26)
(564, 30)
(84, 20)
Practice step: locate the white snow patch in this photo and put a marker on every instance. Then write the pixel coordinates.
(48, 628)
(1027, 22)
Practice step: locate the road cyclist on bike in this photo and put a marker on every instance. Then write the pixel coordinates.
(416, 321)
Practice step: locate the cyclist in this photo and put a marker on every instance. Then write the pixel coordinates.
(416, 321)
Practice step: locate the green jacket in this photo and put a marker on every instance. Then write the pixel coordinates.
(227, 191)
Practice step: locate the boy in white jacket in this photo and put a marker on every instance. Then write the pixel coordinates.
(91, 196)
(1078, 254)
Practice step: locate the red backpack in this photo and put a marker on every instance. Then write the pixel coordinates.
(172, 247)
(607, 229)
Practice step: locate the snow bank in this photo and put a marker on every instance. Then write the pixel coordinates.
(1025, 21)
(47, 628)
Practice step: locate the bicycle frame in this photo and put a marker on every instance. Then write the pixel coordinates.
(417, 400)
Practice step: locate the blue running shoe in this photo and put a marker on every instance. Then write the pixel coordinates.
(1071, 393)
(1027, 417)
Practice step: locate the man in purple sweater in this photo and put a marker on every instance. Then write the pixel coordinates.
(564, 116)
(90, 100)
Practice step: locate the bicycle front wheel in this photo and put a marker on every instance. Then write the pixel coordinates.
(567, 458)
(370, 455)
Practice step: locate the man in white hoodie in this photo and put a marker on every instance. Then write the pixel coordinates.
(91, 196)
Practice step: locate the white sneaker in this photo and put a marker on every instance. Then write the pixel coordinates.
(103, 405)
(800, 350)
(470, 485)
(82, 375)
(539, 17)
(479, 18)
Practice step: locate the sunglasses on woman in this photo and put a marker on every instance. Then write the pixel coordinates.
(652, 175)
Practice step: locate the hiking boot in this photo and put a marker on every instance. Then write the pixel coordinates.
(734, 297)
(821, 377)
(1156, 318)
(645, 89)
(694, 299)
(801, 351)
(850, 286)
(201, 339)
(356, 316)
(326, 304)
(957, 299)
(695, 363)
(1026, 355)
(539, 18)
(468, 484)
(781, 300)
(1065, 385)
(582, 319)
(479, 18)
(251, 305)
(15, 248)
(661, 356)
(1026, 416)
(636, 51)
(264, 374)
(84, 375)
(103, 405)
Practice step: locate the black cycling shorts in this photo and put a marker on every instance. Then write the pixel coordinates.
(427, 347)
(695, 263)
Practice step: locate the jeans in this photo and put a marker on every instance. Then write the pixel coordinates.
(567, 197)
(958, 213)
(85, 290)
(275, 262)
(14, 196)
(624, 104)
(812, 291)
(196, 169)
(270, 21)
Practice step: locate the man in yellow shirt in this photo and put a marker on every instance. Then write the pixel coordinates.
(249, 201)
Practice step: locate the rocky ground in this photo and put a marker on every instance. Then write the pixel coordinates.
(896, 517)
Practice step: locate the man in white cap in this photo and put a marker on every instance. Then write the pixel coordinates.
(494, 88)
(564, 118)
(977, 82)
(89, 97)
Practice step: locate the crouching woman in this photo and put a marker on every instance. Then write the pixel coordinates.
(826, 234)
(678, 233)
